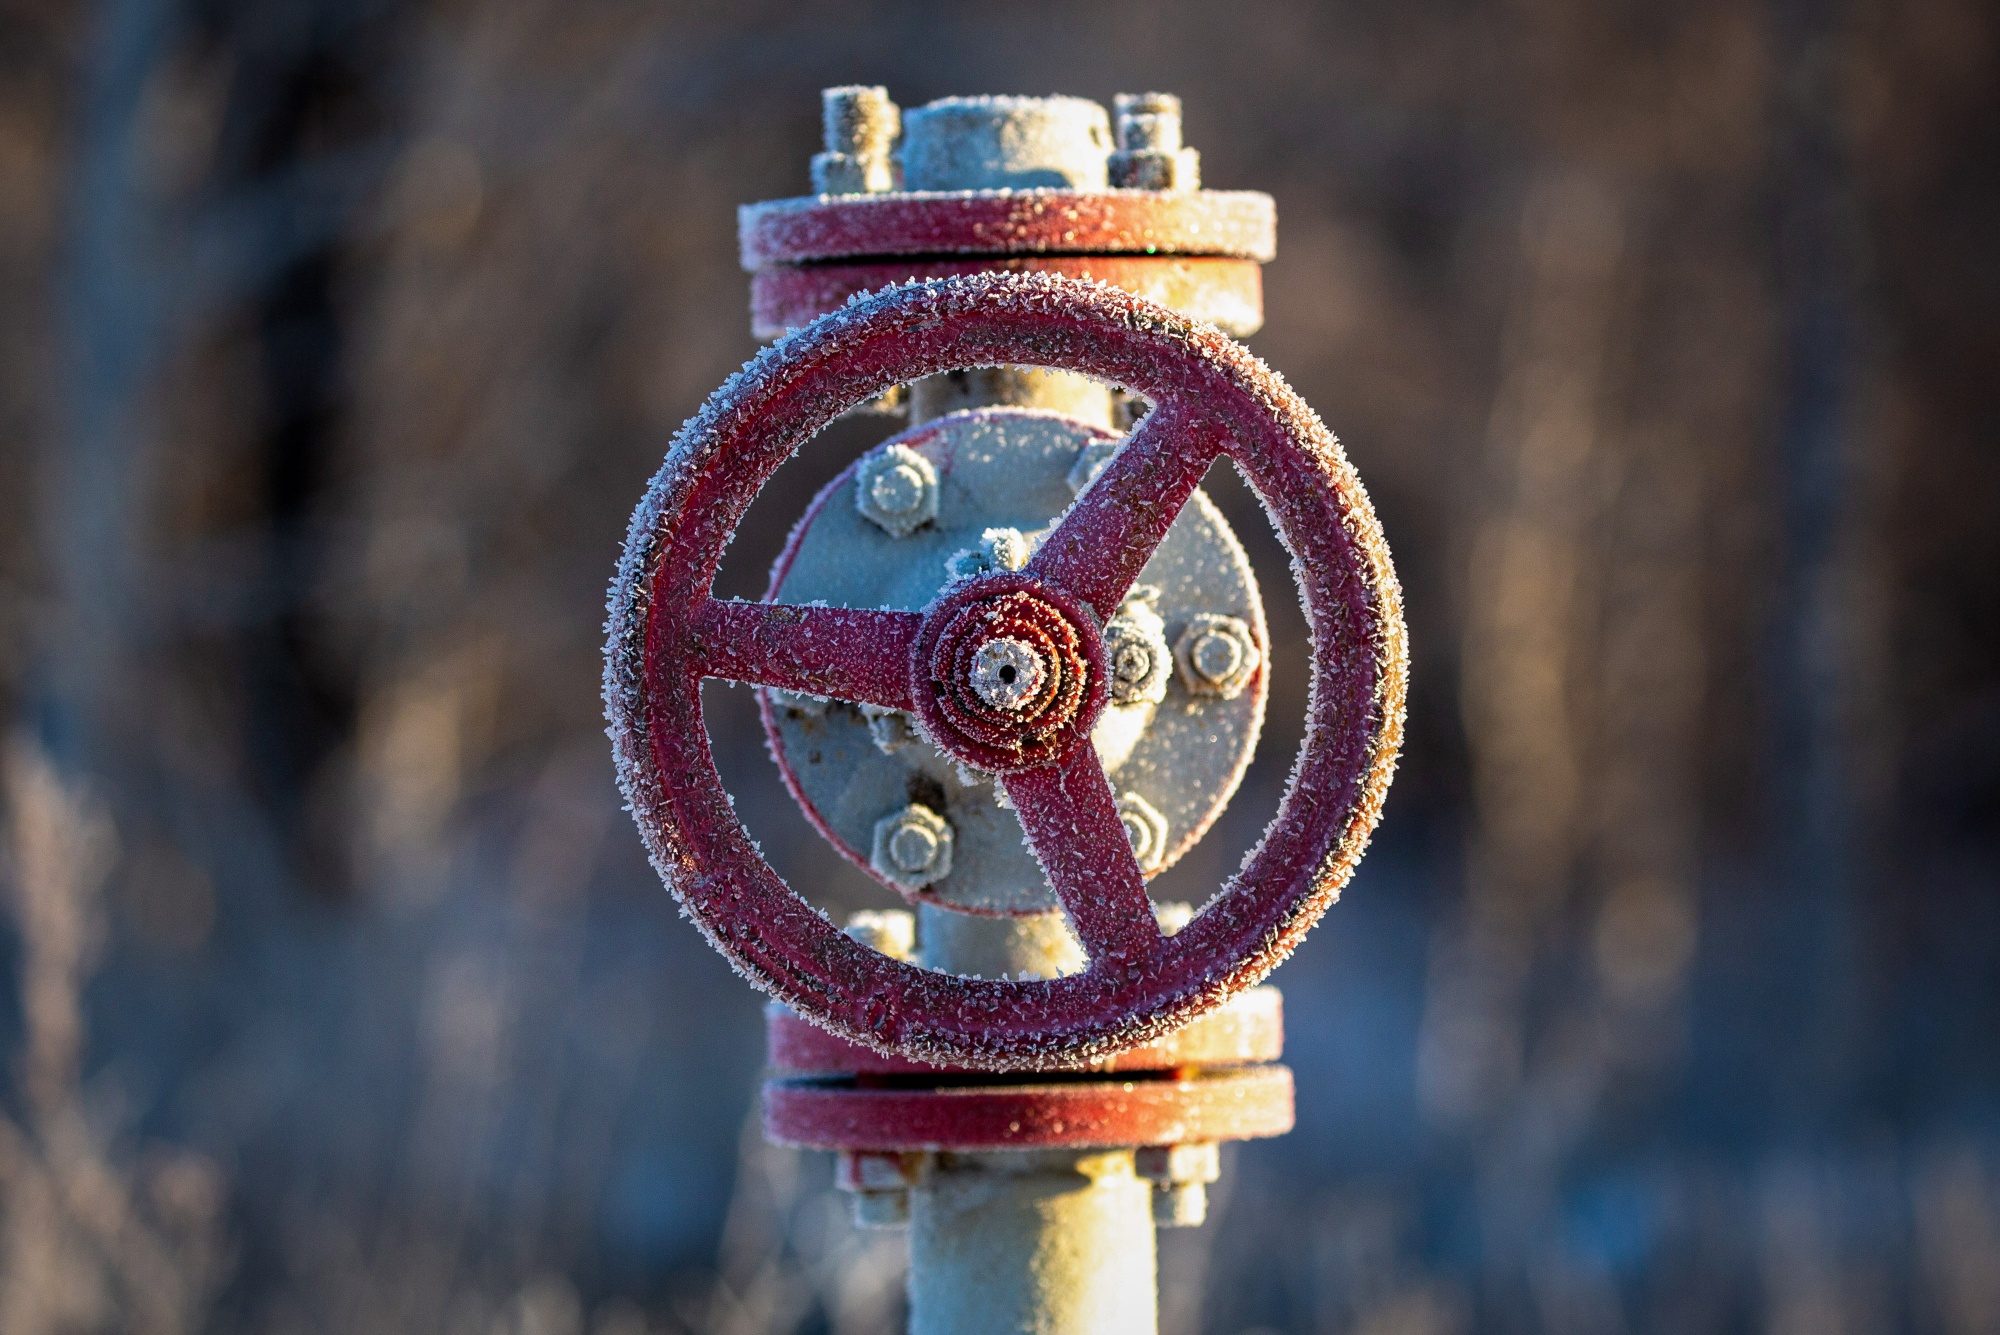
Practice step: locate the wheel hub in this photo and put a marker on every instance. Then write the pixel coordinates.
(1008, 673)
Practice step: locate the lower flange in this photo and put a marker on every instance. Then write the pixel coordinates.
(1248, 1103)
(1249, 1028)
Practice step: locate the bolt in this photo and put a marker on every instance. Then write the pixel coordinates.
(1217, 655)
(890, 729)
(891, 931)
(880, 1184)
(1184, 1206)
(1180, 1175)
(1148, 121)
(1135, 649)
(897, 489)
(1150, 155)
(859, 125)
(912, 847)
(998, 549)
(1145, 830)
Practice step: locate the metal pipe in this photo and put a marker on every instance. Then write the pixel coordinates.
(1056, 1242)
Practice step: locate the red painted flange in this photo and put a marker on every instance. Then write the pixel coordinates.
(1246, 1104)
(1211, 397)
(1240, 223)
(1226, 292)
(1247, 1029)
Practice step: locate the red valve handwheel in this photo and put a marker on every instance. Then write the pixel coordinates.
(1210, 397)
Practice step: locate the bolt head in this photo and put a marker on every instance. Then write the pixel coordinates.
(1217, 655)
(891, 1209)
(897, 489)
(890, 729)
(1184, 1206)
(1171, 1165)
(998, 549)
(912, 847)
(1145, 829)
(1135, 649)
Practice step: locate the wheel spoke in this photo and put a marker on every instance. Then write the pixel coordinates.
(1072, 822)
(1107, 537)
(843, 653)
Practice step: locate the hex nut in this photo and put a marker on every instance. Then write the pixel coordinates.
(879, 1184)
(1183, 1206)
(912, 847)
(1135, 650)
(1145, 829)
(998, 549)
(1150, 155)
(897, 489)
(1175, 1165)
(878, 1170)
(890, 729)
(1217, 655)
(891, 1209)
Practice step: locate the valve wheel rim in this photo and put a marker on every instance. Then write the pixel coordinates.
(1212, 397)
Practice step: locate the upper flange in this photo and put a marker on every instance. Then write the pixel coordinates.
(1238, 223)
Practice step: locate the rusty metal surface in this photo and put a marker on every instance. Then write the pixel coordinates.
(1248, 1103)
(1226, 292)
(1213, 397)
(1248, 1029)
(1239, 223)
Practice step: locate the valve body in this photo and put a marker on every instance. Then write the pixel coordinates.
(1031, 1201)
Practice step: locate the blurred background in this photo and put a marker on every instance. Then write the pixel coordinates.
(340, 337)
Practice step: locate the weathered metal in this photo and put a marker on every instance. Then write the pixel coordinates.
(1225, 291)
(1239, 1103)
(1003, 478)
(1249, 1028)
(1212, 398)
(1234, 223)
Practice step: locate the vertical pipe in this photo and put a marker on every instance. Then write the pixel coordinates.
(1055, 1242)
(1059, 1243)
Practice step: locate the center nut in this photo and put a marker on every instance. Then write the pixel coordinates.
(1007, 673)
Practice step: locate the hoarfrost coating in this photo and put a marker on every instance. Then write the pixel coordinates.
(1218, 399)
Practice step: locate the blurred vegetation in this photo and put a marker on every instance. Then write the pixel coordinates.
(337, 340)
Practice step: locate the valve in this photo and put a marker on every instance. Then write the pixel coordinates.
(1012, 663)
(939, 661)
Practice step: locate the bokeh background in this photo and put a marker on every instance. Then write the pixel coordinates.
(340, 336)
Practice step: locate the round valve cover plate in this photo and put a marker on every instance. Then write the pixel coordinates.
(1006, 468)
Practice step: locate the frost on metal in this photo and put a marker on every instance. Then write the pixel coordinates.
(1186, 756)
(656, 655)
